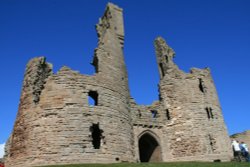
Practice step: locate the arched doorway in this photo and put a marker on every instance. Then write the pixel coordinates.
(149, 149)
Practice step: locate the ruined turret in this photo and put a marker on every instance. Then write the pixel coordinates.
(68, 118)
(193, 106)
(58, 124)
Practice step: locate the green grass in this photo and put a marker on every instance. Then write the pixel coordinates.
(173, 164)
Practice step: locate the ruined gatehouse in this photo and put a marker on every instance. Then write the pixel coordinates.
(56, 124)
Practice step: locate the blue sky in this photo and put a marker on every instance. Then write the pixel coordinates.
(208, 33)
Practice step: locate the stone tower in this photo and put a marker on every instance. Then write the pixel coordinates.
(68, 118)
(190, 99)
(186, 123)
(57, 125)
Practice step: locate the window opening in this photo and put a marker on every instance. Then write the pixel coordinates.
(168, 114)
(162, 70)
(95, 64)
(93, 98)
(96, 134)
(209, 113)
(166, 59)
(202, 86)
(154, 113)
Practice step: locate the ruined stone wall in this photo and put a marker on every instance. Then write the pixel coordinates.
(36, 73)
(189, 125)
(147, 120)
(196, 130)
(55, 122)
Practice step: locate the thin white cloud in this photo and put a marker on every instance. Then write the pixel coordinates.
(2, 150)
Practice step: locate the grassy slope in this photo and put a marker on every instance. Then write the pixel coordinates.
(177, 164)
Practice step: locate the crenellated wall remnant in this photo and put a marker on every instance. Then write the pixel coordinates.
(68, 117)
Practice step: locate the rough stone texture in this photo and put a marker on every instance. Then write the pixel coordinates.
(189, 124)
(56, 124)
(244, 136)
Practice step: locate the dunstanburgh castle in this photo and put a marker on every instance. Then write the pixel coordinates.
(56, 123)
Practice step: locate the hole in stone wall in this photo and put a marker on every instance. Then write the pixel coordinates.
(95, 64)
(217, 160)
(93, 98)
(154, 113)
(149, 149)
(202, 86)
(168, 114)
(96, 134)
(162, 70)
(117, 159)
(166, 59)
(209, 113)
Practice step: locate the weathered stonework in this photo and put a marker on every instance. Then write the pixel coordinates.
(56, 124)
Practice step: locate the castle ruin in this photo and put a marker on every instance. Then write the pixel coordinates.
(56, 123)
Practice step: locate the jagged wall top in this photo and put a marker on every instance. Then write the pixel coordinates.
(162, 49)
(55, 120)
(112, 20)
(164, 55)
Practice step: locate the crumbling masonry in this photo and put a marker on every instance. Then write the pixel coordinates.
(56, 123)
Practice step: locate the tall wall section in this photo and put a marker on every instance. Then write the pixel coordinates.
(149, 122)
(56, 124)
(196, 130)
(186, 124)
